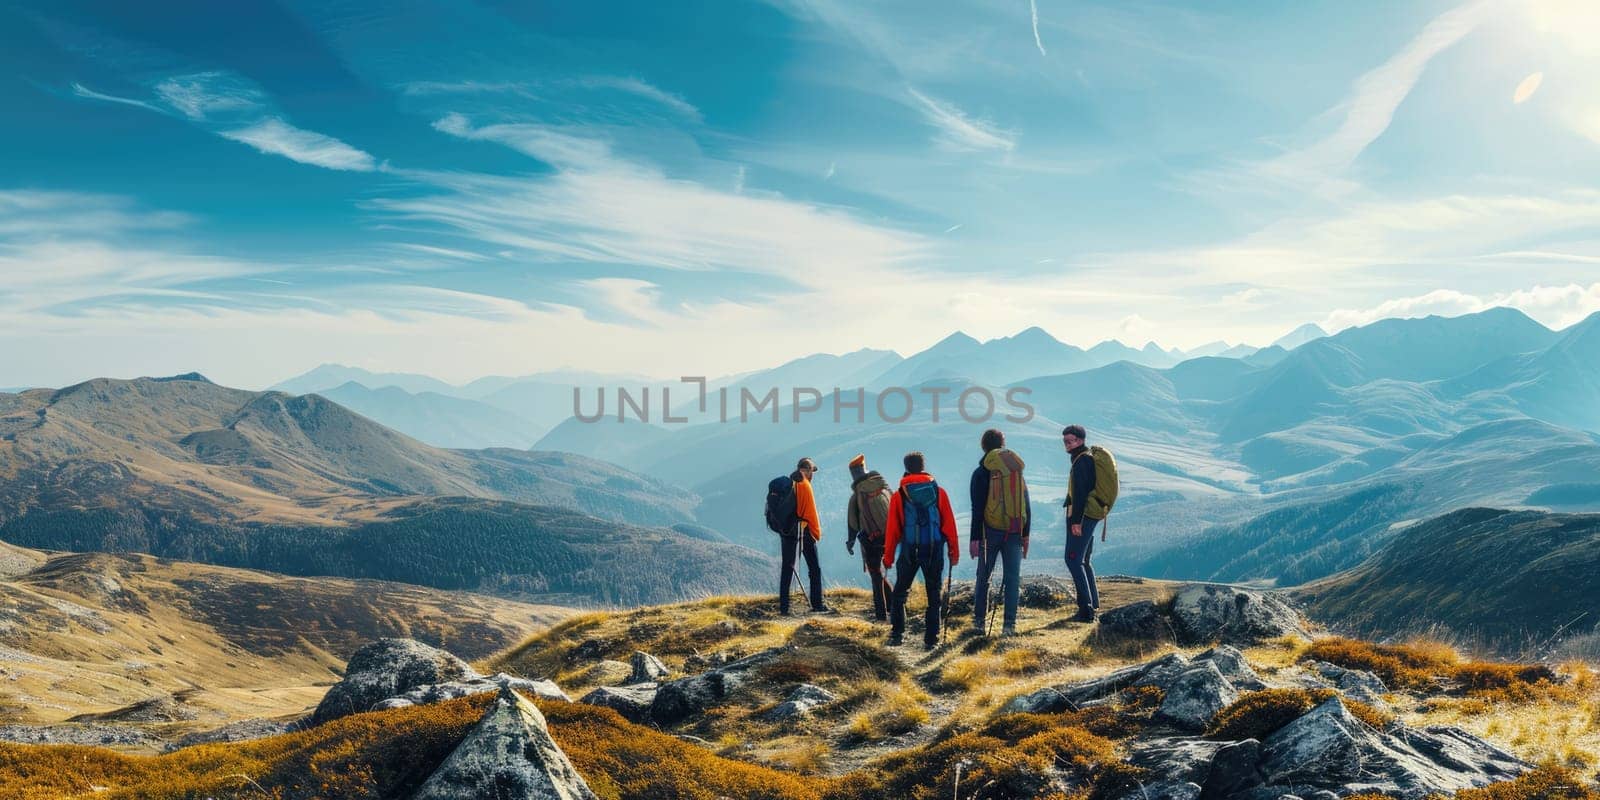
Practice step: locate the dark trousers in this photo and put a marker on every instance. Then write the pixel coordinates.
(905, 573)
(793, 548)
(1079, 548)
(1006, 550)
(872, 558)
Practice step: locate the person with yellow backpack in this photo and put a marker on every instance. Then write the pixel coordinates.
(1001, 523)
(1092, 487)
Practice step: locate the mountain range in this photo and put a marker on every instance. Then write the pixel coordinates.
(184, 468)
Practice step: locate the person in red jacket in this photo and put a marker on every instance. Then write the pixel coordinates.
(921, 532)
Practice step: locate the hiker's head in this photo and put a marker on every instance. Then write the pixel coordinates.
(1073, 436)
(858, 467)
(806, 467)
(993, 439)
(914, 462)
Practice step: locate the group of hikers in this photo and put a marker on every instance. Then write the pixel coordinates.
(912, 530)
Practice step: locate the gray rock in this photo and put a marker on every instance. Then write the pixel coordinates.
(1358, 684)
(242, 731)
(632, 702)
(1142, 621)
(1328, 749)
(90, 734)
(1176, 760)
(608, 673)
(1230, 662)
(1204, 612)
(678, 700)
(388, 668)
(1044, 592)
(1162, 790)
(1232, 767)
(1163, 671)
(440, 692)
(509, 754)
(801, 701)
(1195, 697)
(647, 668)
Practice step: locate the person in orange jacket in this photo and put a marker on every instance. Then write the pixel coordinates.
(921, 531)
(808, 531)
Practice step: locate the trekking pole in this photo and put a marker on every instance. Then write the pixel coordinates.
(944, 604)
(794, 566)
(988, 624)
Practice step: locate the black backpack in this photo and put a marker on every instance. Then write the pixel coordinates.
(781, 509)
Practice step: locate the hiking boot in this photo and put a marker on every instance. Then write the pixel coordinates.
(1008, 631)
(824, 610)
(928, 647)
(895, 640)
(1085, 614)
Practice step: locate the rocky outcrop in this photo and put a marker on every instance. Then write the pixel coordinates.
(802, 700)
(678, 700)
(440, 692)
(387, 668)
(510, 755)
(1326, 752)
(1204, 613)
(647, 668)
(632, 702)
(395, 673)
(1194, 697)
(1231, 663)
(1142, 621)
(1358, 684)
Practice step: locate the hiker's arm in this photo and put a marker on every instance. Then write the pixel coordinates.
(980, 498)
(1082, 485)
(852, 521)
(1027, 522)
(806, 508)
(947, 522)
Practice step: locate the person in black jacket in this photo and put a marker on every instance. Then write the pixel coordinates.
(1080, 530)
(990, 546)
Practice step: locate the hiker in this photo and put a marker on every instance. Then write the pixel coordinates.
(1091, 493)
(802, 539)
(921, 528)
(1001, 523)
(866, 520)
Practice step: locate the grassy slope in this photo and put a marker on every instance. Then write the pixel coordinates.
(93, 632)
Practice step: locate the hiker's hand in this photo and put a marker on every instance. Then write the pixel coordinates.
(1024, 547)
(850, 547)
(1077, 530)
(973, 549)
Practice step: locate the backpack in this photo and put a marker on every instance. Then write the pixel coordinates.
(922, 537)
(1104, 495)
(781, 509)
(871, 507)
(1007, 507)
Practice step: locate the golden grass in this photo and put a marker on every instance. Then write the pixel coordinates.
(984, 767)
(1255, 715)
(901, 707)
(1426, 666)
(1548, 782)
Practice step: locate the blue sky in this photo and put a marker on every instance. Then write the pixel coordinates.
(461, 188)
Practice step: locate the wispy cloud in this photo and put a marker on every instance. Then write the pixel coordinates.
(446, 252)
(85, 92)
(636, 87)
(640, 88)
(1033, 9)
(276, 137)
(1370, 107)
(959, 131)
(235, 109)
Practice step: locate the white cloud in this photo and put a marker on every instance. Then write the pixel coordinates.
(1370, 107)
(958, 131)
(276, 137)
(85, 92)
(543, 142)
(640, 88)
(1555, 306)
(203, 96)
(1033, 9)
(1527, 88)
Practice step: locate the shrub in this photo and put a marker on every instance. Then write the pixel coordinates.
(1256, 715)
(1422, 665)
(1548, 782)
(990, 767)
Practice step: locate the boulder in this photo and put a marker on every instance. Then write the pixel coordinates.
(1230, 662)
(1204, 612)
(1232, 767)
(1043, 592)
(1176, 760)
(387, 668)
(1161, 672)
(1328, 749)
(801, 701)
(1194, 698)
(647, 668)
(1358, 684)
(509, 754)
(632, 702)
(439, 692)
(607, 673)
(1141, 621)
(1066, 697)
(678, 700)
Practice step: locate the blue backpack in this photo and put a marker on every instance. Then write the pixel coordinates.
(922, 540)
(781, 511)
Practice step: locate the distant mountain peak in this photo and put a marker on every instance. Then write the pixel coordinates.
(957, 340)
(1308, 332)
(187, 376)
(1035, 334)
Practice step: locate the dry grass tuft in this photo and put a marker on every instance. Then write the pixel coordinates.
(1255, 715)
(1430, 666)
(902, 707)
(986, 767)
(1549, 782)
